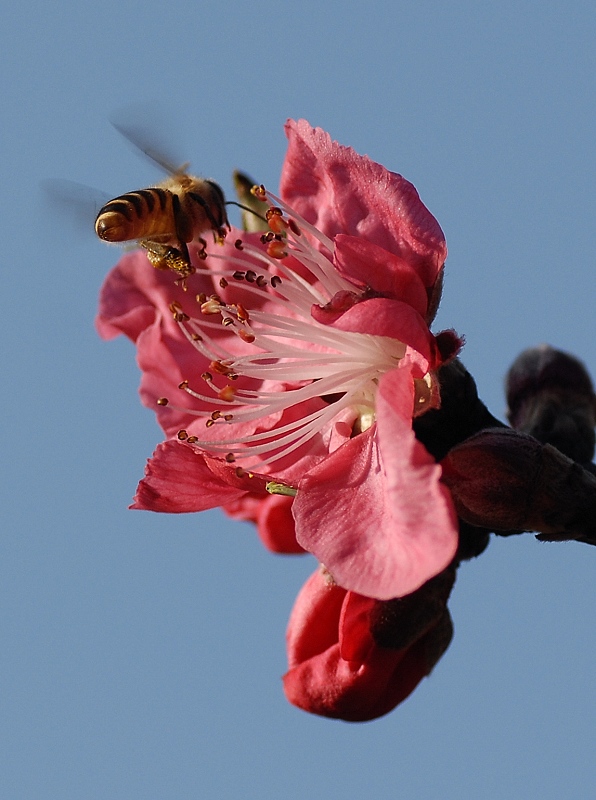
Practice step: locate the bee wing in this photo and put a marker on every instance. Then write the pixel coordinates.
(73, 203)
(145, 138)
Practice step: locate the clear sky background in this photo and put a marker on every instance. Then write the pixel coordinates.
(141, 654)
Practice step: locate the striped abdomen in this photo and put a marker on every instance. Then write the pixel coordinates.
(146, 214)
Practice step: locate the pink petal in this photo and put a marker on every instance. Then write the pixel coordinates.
(380, 316)
(275, 525)
(374, 512)
(355, 639)
(369, 266)
(339, 191)
(313, 623)
(179, 479)
(125, 304)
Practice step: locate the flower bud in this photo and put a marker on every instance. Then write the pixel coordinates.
(460, 415)
(501, 479)
(355, 658)
(550, 396)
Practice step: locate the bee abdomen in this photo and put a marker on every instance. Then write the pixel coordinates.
(137, 215)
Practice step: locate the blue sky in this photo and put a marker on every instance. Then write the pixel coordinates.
(140, 654)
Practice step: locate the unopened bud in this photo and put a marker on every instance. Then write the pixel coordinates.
(504, 480)
(398, 623)
(550, 396)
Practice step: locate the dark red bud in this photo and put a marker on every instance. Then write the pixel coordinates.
(501, 479)
(550, 396)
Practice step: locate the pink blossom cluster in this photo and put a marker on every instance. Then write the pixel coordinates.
(286, 373)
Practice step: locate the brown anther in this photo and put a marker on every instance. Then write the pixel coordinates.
(238, 276)
(162, 401)
(203, 255)
(230, 458)
(182, 435)
(277, 249)
(294, 227)
(239, 472)
(227, 394)
(192, 439)
(177, 312)
(246, 336)
(238, 244)
(267, 237)
(227, 321)
(215, 415)
(223, 283)
(219, 367)
(183, 385)
(228, 417)
(195, 337)
(200, 298)
(275, 281)
(242, 313)
(250, 276)
(206, 376)
(261, 281)
(210, 423)
(273, 211)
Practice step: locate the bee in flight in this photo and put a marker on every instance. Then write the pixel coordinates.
(165, 218)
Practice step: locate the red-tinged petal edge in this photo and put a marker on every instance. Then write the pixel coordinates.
(179, 479)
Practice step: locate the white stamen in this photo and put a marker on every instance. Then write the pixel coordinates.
(285, 345)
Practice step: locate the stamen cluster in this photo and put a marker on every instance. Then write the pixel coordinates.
(292, 359)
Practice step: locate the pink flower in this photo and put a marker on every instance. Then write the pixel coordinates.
(303, 356)
(354, 658)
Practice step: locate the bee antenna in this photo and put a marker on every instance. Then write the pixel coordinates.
(245, 208)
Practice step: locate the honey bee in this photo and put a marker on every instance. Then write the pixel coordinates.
(164, 218)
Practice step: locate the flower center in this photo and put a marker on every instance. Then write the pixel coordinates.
(302, 378)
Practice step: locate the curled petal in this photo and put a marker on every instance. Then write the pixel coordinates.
(341, 192)
(367, 265)
(380, 316)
